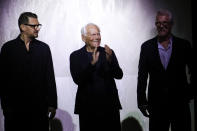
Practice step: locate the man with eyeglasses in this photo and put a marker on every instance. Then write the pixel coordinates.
(28, 88)
(93, 69)
(163, 61)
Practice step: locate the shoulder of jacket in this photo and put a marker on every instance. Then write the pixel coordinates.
(149, 42)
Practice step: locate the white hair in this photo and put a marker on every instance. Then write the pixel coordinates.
(84, 28)
(165, 12)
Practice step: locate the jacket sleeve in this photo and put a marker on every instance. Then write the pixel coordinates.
(142, 78)
(190, 64)
(50, 82)
(115, 69)
(3, 75)
(80, 74)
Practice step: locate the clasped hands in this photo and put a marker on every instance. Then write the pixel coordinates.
(95, 55)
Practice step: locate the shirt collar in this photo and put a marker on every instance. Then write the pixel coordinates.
(22, 42)
(169, 45)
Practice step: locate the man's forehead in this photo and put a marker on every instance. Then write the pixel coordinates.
(92, 27)
(31, 19)
(162, 17)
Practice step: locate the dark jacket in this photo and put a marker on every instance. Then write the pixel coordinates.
(164, 86)
(28, 81)
(96, 85)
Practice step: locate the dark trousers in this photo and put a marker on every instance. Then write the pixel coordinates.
(20, 121)
(178, 117)
(100, 121)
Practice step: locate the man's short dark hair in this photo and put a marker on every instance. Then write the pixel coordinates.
(24, 18)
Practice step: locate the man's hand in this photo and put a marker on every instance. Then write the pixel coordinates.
(145, 110)
(51, 112)
(108, 53)
(95, 56)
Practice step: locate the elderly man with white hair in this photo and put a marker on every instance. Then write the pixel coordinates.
(93, 69)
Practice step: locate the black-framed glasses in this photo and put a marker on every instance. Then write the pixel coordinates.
(37, 26)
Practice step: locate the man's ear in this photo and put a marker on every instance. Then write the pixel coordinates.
(22, 27)
(83, 38)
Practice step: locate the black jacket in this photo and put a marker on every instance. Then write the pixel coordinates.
(96, 85)
(28, 81)
(164, 86)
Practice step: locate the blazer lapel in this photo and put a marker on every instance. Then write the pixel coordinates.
(172, 57)
(157, 56)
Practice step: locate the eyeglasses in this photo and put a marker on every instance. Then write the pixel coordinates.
(38, 26)
(165, 23)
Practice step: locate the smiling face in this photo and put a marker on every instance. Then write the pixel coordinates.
(164, 25)
(92, 38)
